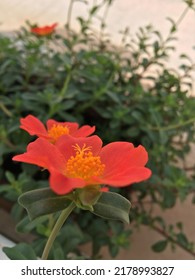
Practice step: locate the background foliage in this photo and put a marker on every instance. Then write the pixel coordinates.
(83, 77)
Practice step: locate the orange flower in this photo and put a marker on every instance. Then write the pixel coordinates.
(80, 162)
(54, 129)
(45, 30)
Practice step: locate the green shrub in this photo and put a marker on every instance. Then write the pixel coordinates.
(77, 77)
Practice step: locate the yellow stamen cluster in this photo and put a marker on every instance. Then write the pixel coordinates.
(56, 131)
(84, 164)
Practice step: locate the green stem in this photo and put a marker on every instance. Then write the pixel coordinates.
(174, 126)
(171, 239)
(182, 16)
(62, 218)
(103, 22)
(65, 86)
(69, 14)
(5, 110)
(61, 96)
(97, 95)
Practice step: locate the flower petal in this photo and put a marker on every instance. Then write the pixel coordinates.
(54, 25)
(63, 185)
(44, 154)
(139, 156)
(84, 131)
(115, 156)
(72, 126)
(66, 144)
(33, 126)
(129, 176)
(120, 156)
(44, 30)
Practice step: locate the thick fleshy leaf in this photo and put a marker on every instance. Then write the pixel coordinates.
(112, 206)
(43, 201)
(21, 251)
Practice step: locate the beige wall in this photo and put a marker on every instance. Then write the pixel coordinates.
(132, 13)
(123, 13)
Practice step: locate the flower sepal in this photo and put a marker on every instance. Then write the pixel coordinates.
(43, 201)
(112, 206)
(86, 198)
(108, 205)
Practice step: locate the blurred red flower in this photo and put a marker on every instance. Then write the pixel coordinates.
(54, 129)
(80, 162)
(44, 30)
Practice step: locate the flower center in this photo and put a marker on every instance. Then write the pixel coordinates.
(56, 131)
(84, 164)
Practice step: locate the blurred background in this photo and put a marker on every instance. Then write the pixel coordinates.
(125, 13)
(122, 14)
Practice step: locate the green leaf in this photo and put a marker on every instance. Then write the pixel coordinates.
(182, 239)
(169, 198)
(25, 225)
(190, 3)
(43, 201)
(10, 177)
(114, 250)
(159, 246)
(85, 198)
(21, 251)
(59, 253)
(112, 206)
(94, 9)
(70, 236)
